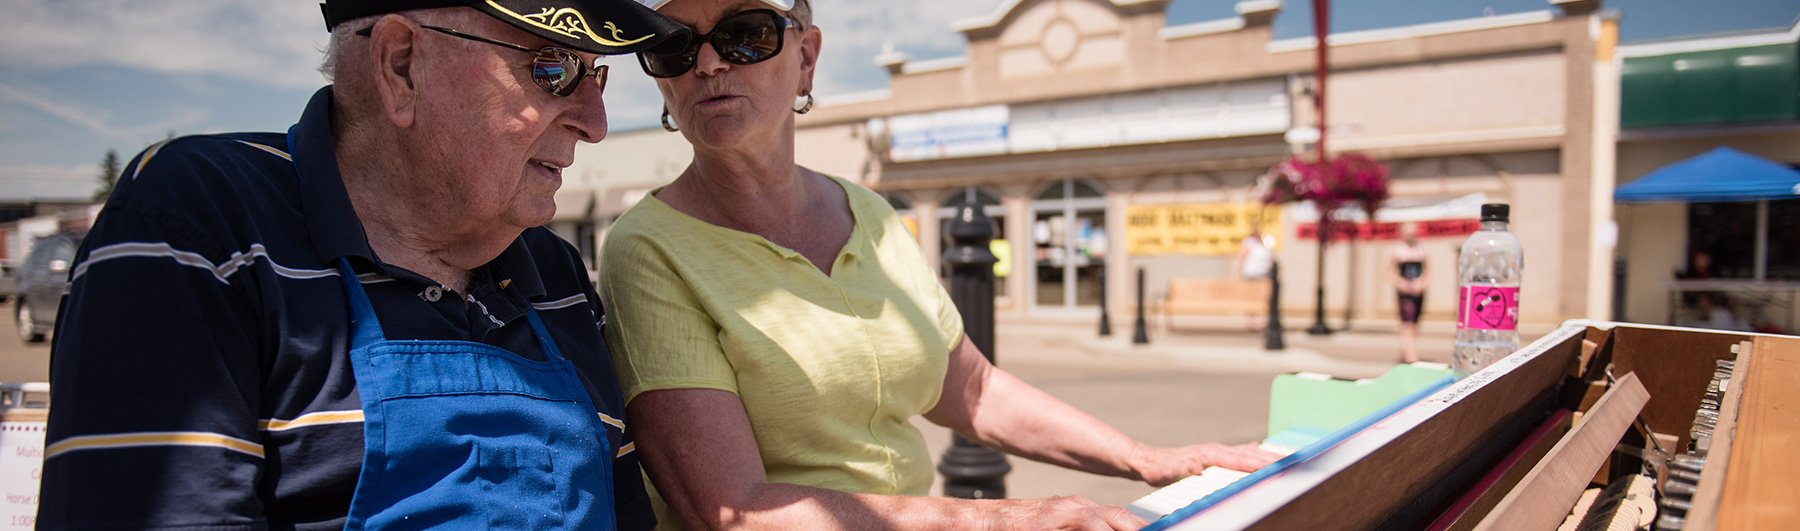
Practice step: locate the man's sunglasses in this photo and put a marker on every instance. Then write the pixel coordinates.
(744, 38)
(556, 70)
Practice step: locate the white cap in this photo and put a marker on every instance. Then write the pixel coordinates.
(783, 5)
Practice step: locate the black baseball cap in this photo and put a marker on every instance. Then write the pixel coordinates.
(607, 27)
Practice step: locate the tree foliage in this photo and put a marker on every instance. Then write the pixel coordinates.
(109, 175)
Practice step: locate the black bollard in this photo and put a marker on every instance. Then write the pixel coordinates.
(1272, 339)
(1105, 317)
(1318, 326)
(970, 470)
(1140, 334)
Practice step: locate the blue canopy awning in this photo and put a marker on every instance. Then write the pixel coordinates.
(1720, 175)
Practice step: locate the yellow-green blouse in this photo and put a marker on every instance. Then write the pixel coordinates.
(829, 368)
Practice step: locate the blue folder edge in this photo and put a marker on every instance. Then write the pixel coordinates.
(1300, 456)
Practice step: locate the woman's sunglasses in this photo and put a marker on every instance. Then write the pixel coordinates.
(556, 70)
(745, 38)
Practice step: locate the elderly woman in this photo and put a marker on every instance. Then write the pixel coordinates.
(777, 329)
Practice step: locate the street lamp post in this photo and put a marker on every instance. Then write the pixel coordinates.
(971, 470)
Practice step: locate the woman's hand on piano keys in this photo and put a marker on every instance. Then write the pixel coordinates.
(1162, 466)
(1062, 512)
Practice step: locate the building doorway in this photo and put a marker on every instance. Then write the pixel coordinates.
(1069, 244)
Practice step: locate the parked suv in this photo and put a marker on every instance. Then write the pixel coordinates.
(9, 279)
(42, 279)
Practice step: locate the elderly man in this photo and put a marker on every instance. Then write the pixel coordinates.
(359, 323)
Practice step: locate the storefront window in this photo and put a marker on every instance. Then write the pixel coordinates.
(1069, 243)
(1784, 240)
(1752, 246)
(990, 205)
(1723, 243)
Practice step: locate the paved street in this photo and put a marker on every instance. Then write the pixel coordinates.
(21, 362)
(1205, 381)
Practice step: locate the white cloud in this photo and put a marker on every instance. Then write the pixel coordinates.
(27, 183)
(855, 31)
(632, 101)
(271, 43)
(278, 44)
(86, 117)
(99, 121)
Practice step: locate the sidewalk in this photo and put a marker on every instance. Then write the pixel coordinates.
(1224, 345)
(1203, 381)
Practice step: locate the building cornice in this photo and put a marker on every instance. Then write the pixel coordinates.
(995, 19)
(1721, 42)
(1414, 31)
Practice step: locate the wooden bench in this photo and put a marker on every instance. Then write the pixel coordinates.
(1214, 297)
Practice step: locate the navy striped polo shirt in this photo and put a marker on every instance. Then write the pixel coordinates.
(199, 375)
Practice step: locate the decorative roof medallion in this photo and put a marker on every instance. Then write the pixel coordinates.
(1059, 40)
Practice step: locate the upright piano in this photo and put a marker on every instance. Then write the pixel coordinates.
(1596, 425)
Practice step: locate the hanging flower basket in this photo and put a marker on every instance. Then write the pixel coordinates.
(1350, 179)
(1357, 179)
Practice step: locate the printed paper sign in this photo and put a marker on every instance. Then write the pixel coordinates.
(21, 464)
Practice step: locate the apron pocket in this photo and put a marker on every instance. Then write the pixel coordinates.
(521, 486)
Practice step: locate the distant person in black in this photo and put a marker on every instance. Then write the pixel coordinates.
(1409, 278)
(360, 322)
(1700, 267)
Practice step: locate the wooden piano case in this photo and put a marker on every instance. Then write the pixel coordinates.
(1513, 446)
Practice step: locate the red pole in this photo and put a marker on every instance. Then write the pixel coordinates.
(1321, 28)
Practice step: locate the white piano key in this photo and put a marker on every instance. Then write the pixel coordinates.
(1182, 493)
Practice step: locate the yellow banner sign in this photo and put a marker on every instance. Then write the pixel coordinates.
(1204, 229)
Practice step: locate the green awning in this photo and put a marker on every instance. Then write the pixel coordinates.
(1752, 84)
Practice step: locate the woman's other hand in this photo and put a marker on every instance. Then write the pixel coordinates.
(1162, 466)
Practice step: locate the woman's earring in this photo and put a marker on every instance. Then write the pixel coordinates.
(668, 123)
(805, 107)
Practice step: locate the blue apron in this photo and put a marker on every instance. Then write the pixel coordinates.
(464, 435)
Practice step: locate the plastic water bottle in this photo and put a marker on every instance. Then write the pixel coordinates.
(1487, 293)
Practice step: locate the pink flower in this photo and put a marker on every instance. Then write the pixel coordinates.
(1350, 178)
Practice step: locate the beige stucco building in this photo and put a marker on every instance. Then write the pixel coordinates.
(1068, 117)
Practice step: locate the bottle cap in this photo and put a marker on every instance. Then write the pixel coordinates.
(1495, 211)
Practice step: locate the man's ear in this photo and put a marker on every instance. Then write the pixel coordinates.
(391, 49)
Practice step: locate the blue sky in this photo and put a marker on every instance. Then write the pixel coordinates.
(79, 77)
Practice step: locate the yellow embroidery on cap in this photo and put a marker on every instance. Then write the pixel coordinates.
(615, 29)
(569, 23)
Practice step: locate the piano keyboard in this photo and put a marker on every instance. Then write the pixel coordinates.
(1187, 491)
(1290, 469)
(1304, 408)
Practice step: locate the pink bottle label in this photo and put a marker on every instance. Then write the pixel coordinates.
(1488, 307)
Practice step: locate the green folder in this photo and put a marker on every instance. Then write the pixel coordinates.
(1304, 408)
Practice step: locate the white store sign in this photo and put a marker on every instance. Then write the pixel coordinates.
(21, 466)
(953, 133)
